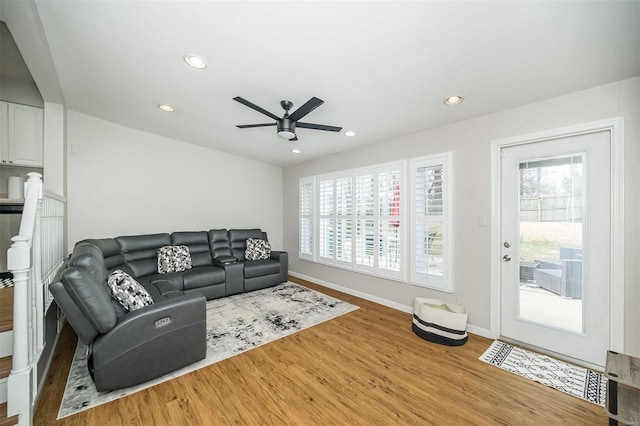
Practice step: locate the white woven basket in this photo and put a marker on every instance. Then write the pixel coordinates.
(440, 322)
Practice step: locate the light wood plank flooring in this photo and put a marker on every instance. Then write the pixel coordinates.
(363, 368)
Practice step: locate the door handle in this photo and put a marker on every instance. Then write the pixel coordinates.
(506, 258)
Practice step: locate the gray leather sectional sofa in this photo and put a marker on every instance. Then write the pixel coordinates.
(128, 348)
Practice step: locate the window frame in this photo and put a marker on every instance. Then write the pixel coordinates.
(311, 180)
(445, 282)
(407, 221)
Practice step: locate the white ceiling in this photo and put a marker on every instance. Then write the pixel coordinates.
(382, 68)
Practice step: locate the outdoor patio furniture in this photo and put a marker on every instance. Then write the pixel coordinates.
(561, 276)
(527, 271)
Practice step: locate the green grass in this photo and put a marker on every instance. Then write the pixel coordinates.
(542, 240)
(539, 249)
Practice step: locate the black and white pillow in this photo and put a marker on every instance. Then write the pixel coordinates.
(257, 249)
(128, 291)
(173, 259)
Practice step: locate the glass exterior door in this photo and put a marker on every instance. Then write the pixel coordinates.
(556, 233)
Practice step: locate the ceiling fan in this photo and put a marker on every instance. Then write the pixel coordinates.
(287, 124)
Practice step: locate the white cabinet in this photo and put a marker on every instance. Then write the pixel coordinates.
(21, 135)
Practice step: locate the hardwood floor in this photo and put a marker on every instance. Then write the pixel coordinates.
(6, 309)
(363, 368)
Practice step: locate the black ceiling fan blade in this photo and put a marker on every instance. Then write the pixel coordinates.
(318, 127)
(248, 126)
(256, 107)
(305, 109)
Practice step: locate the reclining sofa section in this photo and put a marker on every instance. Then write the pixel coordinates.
(219, 267)
(128, 348)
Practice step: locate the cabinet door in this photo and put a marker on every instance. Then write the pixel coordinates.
(25, 135)
(4, 133)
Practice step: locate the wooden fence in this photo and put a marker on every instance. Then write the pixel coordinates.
(551, 208)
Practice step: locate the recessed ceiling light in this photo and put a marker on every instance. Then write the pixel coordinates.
(350, 133)
(166, 108)
(453, 100)
(195, 61)
(296, 151)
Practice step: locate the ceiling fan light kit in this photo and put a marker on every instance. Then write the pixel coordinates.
(286, 126)
(287, 129)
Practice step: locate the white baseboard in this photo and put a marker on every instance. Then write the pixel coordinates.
(6, 343)
(360, 294)
(381, 301)
(479, 331)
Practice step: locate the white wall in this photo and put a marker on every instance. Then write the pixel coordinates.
(16, 83)
(20, 92)
(470, 142)
(122, 181)
(54, 147)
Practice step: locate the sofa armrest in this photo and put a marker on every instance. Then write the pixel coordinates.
(283, 258)
(142, 325)
(151, 341)
(165, 287)
(280, 255)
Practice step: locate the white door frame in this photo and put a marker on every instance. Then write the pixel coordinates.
(616, 128)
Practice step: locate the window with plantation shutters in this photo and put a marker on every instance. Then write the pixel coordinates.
(305, 218)
(344, 220)
(389, 220)
(365, 220)
(431, 222)
(358, 220)
(326, 231)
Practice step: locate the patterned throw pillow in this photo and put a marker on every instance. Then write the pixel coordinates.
(173, 259)
(257, 249)
(128, 291)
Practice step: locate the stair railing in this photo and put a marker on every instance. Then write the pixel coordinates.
(52, 232)
(23, 261)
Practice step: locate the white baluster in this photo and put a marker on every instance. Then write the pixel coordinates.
(38, 299)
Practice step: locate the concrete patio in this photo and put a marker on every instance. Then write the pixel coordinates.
(542, 306)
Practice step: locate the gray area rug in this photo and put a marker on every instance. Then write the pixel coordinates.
(235, 324)
(576, 381)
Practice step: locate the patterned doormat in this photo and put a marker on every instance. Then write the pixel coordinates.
(235, 324)
(577, 381)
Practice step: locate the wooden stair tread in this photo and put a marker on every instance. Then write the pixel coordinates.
(6, 309)
(4, 420)
(5, 366)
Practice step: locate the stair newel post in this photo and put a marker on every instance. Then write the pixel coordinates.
(19, 259)
(19, 382)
